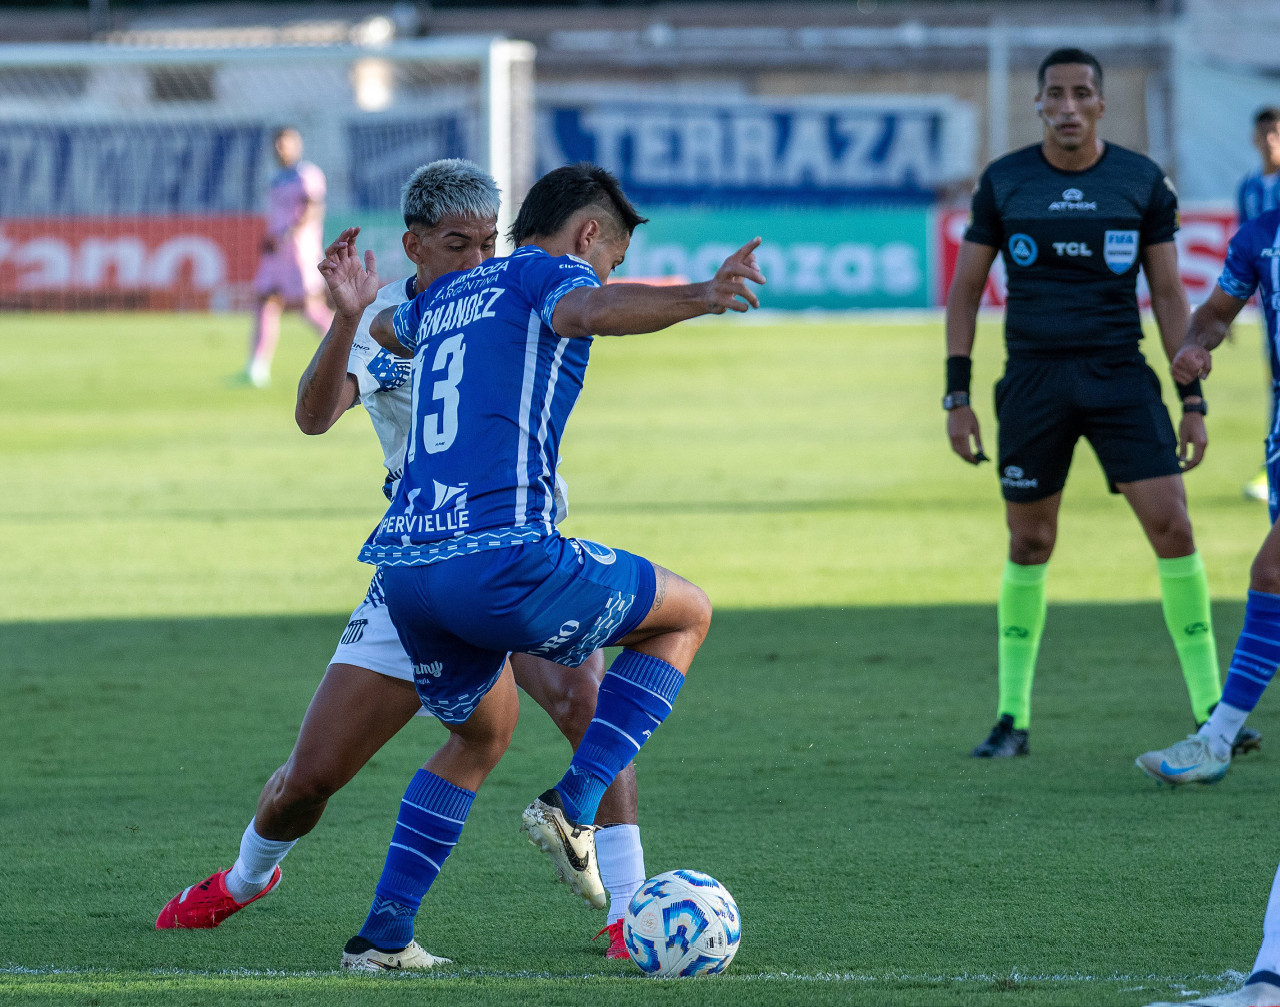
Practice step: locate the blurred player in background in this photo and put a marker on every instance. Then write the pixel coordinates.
(1260, 189)
(1075, 218)
(294, 244)
(1253, 264)
(1259, 192)
(367, 695)
(473, 566)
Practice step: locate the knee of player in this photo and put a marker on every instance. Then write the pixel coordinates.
(702, 612)
(1264, 575)
(1174, 536)
(305, 786)
(574, 706)
(491, 744)
(1032, 546)
(698, 608)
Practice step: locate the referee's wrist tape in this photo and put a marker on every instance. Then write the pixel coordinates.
(1191, 390)
(959, 374)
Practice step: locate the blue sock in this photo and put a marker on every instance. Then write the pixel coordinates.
(635, 697)
(431, 818)
(1257, 652)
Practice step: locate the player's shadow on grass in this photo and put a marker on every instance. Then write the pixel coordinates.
(107, 693)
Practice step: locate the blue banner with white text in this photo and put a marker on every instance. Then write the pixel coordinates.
(744, 151)
(118, 169)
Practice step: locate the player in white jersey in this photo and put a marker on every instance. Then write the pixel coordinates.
(367, 695)
(292, 246)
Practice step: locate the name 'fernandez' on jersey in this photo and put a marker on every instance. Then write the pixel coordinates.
(1072, 243)
(493, 386)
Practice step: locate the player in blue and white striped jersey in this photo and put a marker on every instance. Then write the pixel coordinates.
(1259, 191)
(367, 694)
(473, 566)
(1253, 265)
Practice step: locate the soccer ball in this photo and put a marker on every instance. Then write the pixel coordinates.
(682, 923)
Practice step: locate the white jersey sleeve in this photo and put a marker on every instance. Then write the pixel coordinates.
(383, 382)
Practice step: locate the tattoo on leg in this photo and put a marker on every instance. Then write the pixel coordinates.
(660, 592)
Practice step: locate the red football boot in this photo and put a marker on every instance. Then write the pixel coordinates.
(206, 904)
(617, 946)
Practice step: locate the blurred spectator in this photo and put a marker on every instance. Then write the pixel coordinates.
(287, 276)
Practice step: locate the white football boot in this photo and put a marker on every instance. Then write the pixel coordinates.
(1188, 761)
(370, 959)
(1251, 995)
(571, 847)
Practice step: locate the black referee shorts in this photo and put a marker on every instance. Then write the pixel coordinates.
(1045, 404)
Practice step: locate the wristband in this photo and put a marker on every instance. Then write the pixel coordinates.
(959, 373)
(1190, 390)
(1201, 407)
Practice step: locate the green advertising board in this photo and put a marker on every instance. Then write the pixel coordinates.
(813, 257)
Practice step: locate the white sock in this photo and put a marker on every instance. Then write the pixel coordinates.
(621, 860)
(1269, 955)
(256, 863)
(1221, 728)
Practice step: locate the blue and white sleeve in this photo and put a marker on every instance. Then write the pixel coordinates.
(557, 277)
(1239, 277)
(406, 320)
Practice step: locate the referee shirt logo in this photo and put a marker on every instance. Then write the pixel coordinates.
(1120, 250)
(1022, 249)
(1072, 199)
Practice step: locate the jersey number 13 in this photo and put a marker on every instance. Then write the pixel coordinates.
(440, 425)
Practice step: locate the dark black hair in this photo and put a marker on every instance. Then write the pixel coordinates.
(561, 193)
(1060, 57)
(1266, 116)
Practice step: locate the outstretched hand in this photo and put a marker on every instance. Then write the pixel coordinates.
(352, 286)
(728, 290)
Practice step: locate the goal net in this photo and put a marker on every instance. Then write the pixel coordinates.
(135, 178)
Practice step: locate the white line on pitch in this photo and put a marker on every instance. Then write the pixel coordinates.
(1228, 978)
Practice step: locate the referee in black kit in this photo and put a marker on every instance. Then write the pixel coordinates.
(1075, 218)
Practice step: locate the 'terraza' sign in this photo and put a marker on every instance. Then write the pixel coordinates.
(747, 150)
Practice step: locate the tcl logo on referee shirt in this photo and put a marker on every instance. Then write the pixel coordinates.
(1073, 248)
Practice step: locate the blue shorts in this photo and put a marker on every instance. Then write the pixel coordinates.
(559, 598)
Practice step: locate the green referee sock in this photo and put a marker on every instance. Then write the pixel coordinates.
(1020, 618)
(1184, 596)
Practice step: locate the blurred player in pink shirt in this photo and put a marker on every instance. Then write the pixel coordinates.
(287, 276)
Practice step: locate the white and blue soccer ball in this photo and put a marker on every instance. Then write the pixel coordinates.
(682, 923)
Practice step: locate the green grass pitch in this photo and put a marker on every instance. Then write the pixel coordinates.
(178, 561)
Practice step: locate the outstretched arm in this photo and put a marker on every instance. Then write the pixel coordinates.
(384, 332)
(1209, 326)
(622, 309)
(326, 390)
(963, 301)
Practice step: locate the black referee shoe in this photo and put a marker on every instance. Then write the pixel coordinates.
(1003, 742)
